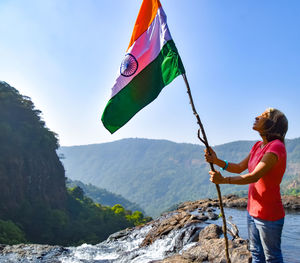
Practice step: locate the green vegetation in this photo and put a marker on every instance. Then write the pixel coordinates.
(292, 191)
(10, 233)
(137, 217)
(82, 221)
(156, 174)
(102, 196)
(35, 205)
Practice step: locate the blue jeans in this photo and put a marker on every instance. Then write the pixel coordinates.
(265, 239)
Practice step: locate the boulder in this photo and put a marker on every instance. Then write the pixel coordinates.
(210, 248)
(164, 225)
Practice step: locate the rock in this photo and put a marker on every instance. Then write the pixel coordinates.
(212, 216)
(208, 246)
(234, 201)
(36, 253)
(209, 210)
(173, 259)
(212, 250)
(210, 232)
(163, 226)
(291, 203)
(30, 171)
(181, 227)
(120, 234)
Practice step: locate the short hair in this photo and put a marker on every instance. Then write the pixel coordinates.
(275, 126)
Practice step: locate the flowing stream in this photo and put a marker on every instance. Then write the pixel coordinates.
(124, 246)
(127, 249)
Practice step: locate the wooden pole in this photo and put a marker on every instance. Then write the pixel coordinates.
(205, 142)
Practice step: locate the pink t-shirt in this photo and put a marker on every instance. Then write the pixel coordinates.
(264, 199)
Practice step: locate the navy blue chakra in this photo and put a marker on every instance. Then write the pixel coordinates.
(129, 65)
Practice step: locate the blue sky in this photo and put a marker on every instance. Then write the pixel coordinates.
(240, 57)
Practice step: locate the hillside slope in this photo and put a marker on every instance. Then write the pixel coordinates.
(35, 205)
(103, 197)
(30, 170)
(157, 173)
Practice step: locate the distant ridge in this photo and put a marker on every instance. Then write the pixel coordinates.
(156, 174)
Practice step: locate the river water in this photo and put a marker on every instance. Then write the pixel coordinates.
(290, 242)
(127, 249)
(124, 246)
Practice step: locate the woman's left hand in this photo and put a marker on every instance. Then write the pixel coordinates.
(216, 177)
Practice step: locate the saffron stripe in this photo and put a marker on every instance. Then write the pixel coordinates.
(145, 17)
(146, 48)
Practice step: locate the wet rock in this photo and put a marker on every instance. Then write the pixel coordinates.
(172, 259)
(233, 201)
(210, 210)
(34, 252)
(291, 203)
(120, 234)
(163, 226)
(212, 250)
(212, 216)
(189, 214)
(210, 232)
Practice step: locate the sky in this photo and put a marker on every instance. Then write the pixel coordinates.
(240, 56)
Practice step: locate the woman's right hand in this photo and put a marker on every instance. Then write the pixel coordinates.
(211, 156)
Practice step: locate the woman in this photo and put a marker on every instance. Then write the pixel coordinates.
(266, 164)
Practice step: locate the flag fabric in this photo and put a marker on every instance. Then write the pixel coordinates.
(150, 63)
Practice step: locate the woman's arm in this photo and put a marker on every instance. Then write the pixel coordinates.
(262, 168)
(232, 167)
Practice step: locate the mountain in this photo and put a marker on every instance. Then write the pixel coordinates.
(102, 196)
(30, 169)
(157, 174)
(35, 205)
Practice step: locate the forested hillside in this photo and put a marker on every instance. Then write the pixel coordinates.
(156, 174)
(102, 196)
(35, 205)
(30, 170)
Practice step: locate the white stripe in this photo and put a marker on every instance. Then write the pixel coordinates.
(146, 48)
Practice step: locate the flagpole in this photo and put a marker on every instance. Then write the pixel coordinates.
(205, 142)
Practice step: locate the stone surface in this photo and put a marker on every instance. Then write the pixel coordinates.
(291, 203)
(164, 225)
(33, 252)
(209, 245)
(210, 232)
(210, 248)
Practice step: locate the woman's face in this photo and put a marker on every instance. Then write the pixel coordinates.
(258, 125)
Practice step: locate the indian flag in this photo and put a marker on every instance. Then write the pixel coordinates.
(151, 62)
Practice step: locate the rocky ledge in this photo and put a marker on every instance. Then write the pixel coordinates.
(31, 253)
(193, 236)
(290, 203)
(209, 245)
(210, 248)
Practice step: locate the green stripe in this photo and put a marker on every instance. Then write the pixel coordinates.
(143, 88)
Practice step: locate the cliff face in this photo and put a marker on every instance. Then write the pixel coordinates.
(30, 170)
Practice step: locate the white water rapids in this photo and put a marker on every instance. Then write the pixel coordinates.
(121, 247)
(124, 246)
(127, 248)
